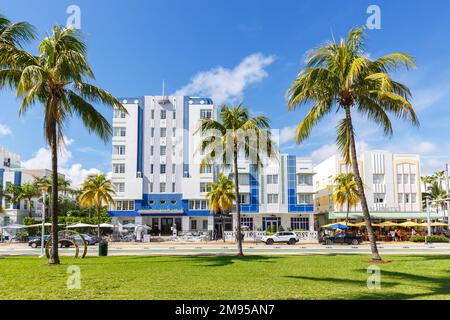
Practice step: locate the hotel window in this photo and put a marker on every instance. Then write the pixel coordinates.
(205, 187)
(406, 178)
(162, 150)
(378, 198)
(407, 198)
(119, 132)
(151, 186)
(205, 224)
(400, 198)
(151, 168)
(304, 180)
(193, 224)
(299, 223)
(272, 198)
(119, 167)
(152, 132)
(163, 132)
(378, 179)
(247, 222)
(163, 114)
(205, 114)
(152, 151)
(272, 179)
(162, 187)
(174, 168)
(244, 198)
(399, 179)
(207, 169)
(413, 178)
(174, 115)
(174, 132)
(162, 169)
(119, 114)
(125, 205)
(173, 151)
(414, 198)
(198, 205)
(304, 198)
(173, 187)
(119, 187)
(119, 150)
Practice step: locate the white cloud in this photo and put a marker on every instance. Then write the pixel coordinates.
(5, 130)
(223, 85)
(75, 172)
(424, 148)
(287, 134)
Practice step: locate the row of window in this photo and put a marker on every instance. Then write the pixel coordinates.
(125, 205)
(406, 198)
(163, 114)
(163, 132)
(302, 179)
(204, 114)
(406, 179)
(297, 223)
(162, 187)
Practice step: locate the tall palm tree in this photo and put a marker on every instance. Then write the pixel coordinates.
(29, 191)
(235, 133)
(97, 191)
(427, 180)
(345, 191)
(221, 198)
(12, 193)
(437, 194)
(57, 79)
(341, 77)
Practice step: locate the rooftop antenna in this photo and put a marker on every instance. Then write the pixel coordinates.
(164, 100)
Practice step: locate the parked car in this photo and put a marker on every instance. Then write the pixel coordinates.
(343, 237)
(36, 242)
(281, 237)
(91, 240)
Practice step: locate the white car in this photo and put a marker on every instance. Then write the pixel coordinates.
(281, 237)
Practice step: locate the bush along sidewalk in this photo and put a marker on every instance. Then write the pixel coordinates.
(431, 239)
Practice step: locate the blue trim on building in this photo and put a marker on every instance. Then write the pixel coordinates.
(123, 214)
(170, 202)
(186, 136)
(292, 189)
(199, 100)
(253, 206)
(140, 136)
(190, 213)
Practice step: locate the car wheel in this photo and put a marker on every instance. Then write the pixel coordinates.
(328, 242)
(355, 242)
(292, 242)
(34, 245)
(269, 242)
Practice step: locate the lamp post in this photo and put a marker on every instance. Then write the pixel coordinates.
(428, 216)
(447, 189)
(43, 225)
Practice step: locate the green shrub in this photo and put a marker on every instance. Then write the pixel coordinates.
(431, 239)
(280, 228)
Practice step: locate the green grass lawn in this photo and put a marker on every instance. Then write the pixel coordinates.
(227, 277)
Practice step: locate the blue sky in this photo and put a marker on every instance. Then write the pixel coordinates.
(246, 50)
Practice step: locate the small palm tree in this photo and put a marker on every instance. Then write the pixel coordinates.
(235, 133)
(12, 193)
(427, 180)
(341, 77)
(345, 191)
(97, 191)
(57, 79)
(221, 198)
(437, 194)
(29, 191)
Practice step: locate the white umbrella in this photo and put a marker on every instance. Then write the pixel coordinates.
(129, 225)
(15, 226)
(81, 225)
(48, 224)
(106, 225)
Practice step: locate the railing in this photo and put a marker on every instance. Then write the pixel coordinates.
(255, 236)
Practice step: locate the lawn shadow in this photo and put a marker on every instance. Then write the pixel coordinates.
(226, 260)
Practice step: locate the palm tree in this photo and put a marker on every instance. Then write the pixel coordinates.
(345, 191)
(57, 78)
(29, 191)
(341, 77)
(427, 180)
(97, 191)
(235, 133)
(12, 193)
(437, 194)
(221, 198)
(15, 34)
(440, 177)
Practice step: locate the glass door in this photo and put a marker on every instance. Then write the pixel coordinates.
(166, 225)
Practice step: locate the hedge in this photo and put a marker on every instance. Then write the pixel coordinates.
(433, 239)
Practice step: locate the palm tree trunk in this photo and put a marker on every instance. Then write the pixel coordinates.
(348, 212)
(54, 257)
(238, 204)
(98, 223)
(29, 212)
(365, 208)
(223, 227)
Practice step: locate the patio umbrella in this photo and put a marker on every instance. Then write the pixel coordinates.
(15, 226)
(48, 224)
(360, 224)
(81, 225)
(338, 226)
(106, 225)
(129, 225)
(409, 224)
(386, 224)
(345, 224)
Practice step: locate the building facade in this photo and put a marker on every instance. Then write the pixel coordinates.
(12, 173)
(159, 183)
(392, 186)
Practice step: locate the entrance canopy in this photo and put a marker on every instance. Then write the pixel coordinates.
(386, 215)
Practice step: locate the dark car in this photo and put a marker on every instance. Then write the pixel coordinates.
(91, 240)
(36, 242)
(341, 238)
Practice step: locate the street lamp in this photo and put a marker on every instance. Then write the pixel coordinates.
(43, 190)
(428, 216)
